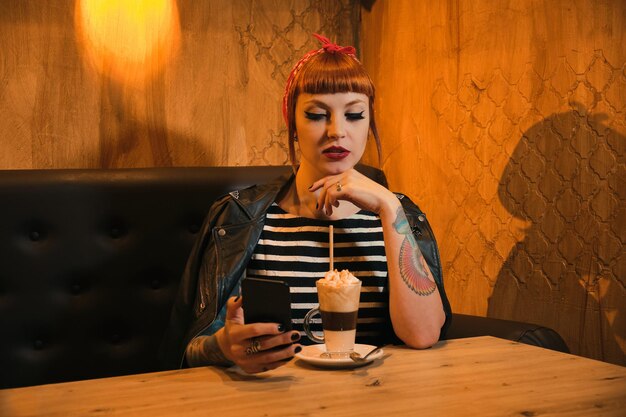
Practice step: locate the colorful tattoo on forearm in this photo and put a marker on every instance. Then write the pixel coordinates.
(413, 267)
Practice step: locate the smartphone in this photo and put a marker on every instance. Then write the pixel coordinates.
(266, 301)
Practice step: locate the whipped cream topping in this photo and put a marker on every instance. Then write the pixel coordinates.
(337, 279)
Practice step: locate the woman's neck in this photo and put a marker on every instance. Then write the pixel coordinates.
(299, 201)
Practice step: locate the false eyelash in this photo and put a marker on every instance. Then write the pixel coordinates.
(355, 116)
(315, 116)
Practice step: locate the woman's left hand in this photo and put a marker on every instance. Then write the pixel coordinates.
(356, 188)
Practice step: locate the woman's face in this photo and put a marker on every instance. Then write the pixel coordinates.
(332, 130)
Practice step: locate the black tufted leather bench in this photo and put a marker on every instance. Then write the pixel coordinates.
(90, 262)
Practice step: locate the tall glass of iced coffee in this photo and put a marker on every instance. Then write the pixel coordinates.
(338, 294)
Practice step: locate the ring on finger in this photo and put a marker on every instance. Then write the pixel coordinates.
(338, 187)
(255, 347)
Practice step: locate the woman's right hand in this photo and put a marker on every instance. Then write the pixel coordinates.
(255, 347)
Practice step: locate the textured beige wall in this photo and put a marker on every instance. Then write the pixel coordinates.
(506, 121)
(104, 83)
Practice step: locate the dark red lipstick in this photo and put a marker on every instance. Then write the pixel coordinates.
(336, 152)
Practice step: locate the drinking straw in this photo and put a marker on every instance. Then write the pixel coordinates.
(330, 231)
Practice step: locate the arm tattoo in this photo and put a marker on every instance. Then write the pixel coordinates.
(204, 350)
(413, 267)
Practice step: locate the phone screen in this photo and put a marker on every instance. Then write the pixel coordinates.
(266, 301)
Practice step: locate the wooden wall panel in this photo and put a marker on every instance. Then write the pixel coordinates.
(506, 122)
(107, 83)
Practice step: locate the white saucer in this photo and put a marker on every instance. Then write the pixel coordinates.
(312, 355)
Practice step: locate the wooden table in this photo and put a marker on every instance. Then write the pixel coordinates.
(481, 376)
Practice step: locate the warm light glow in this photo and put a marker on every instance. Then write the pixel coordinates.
(128, 39)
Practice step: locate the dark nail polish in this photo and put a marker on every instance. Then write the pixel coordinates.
(298, 349)
(295, 336)
(237, 299)
(281, 328)
(316, 205)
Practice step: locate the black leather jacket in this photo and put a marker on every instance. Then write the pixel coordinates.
(221, 254)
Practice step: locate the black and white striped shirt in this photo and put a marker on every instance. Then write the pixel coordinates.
(296, 250)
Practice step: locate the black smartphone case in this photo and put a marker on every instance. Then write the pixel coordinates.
(266, 301)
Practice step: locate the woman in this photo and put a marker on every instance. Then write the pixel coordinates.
(280, 230)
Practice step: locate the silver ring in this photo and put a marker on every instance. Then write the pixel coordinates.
(338, 187)
(255, 347)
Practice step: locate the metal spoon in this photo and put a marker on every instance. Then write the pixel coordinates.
(356, 356)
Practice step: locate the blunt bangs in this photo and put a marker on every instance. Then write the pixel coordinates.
(334, 73)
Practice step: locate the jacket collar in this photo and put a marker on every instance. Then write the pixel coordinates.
(255, 200)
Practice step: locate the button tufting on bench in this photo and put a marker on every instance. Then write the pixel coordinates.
(76, 288)
(34, 236)
(38, 344)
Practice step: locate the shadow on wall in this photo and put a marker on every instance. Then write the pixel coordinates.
(567, 178)
(133, 130)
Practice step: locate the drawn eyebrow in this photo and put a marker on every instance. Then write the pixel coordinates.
(357, 101)
(322, 104)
